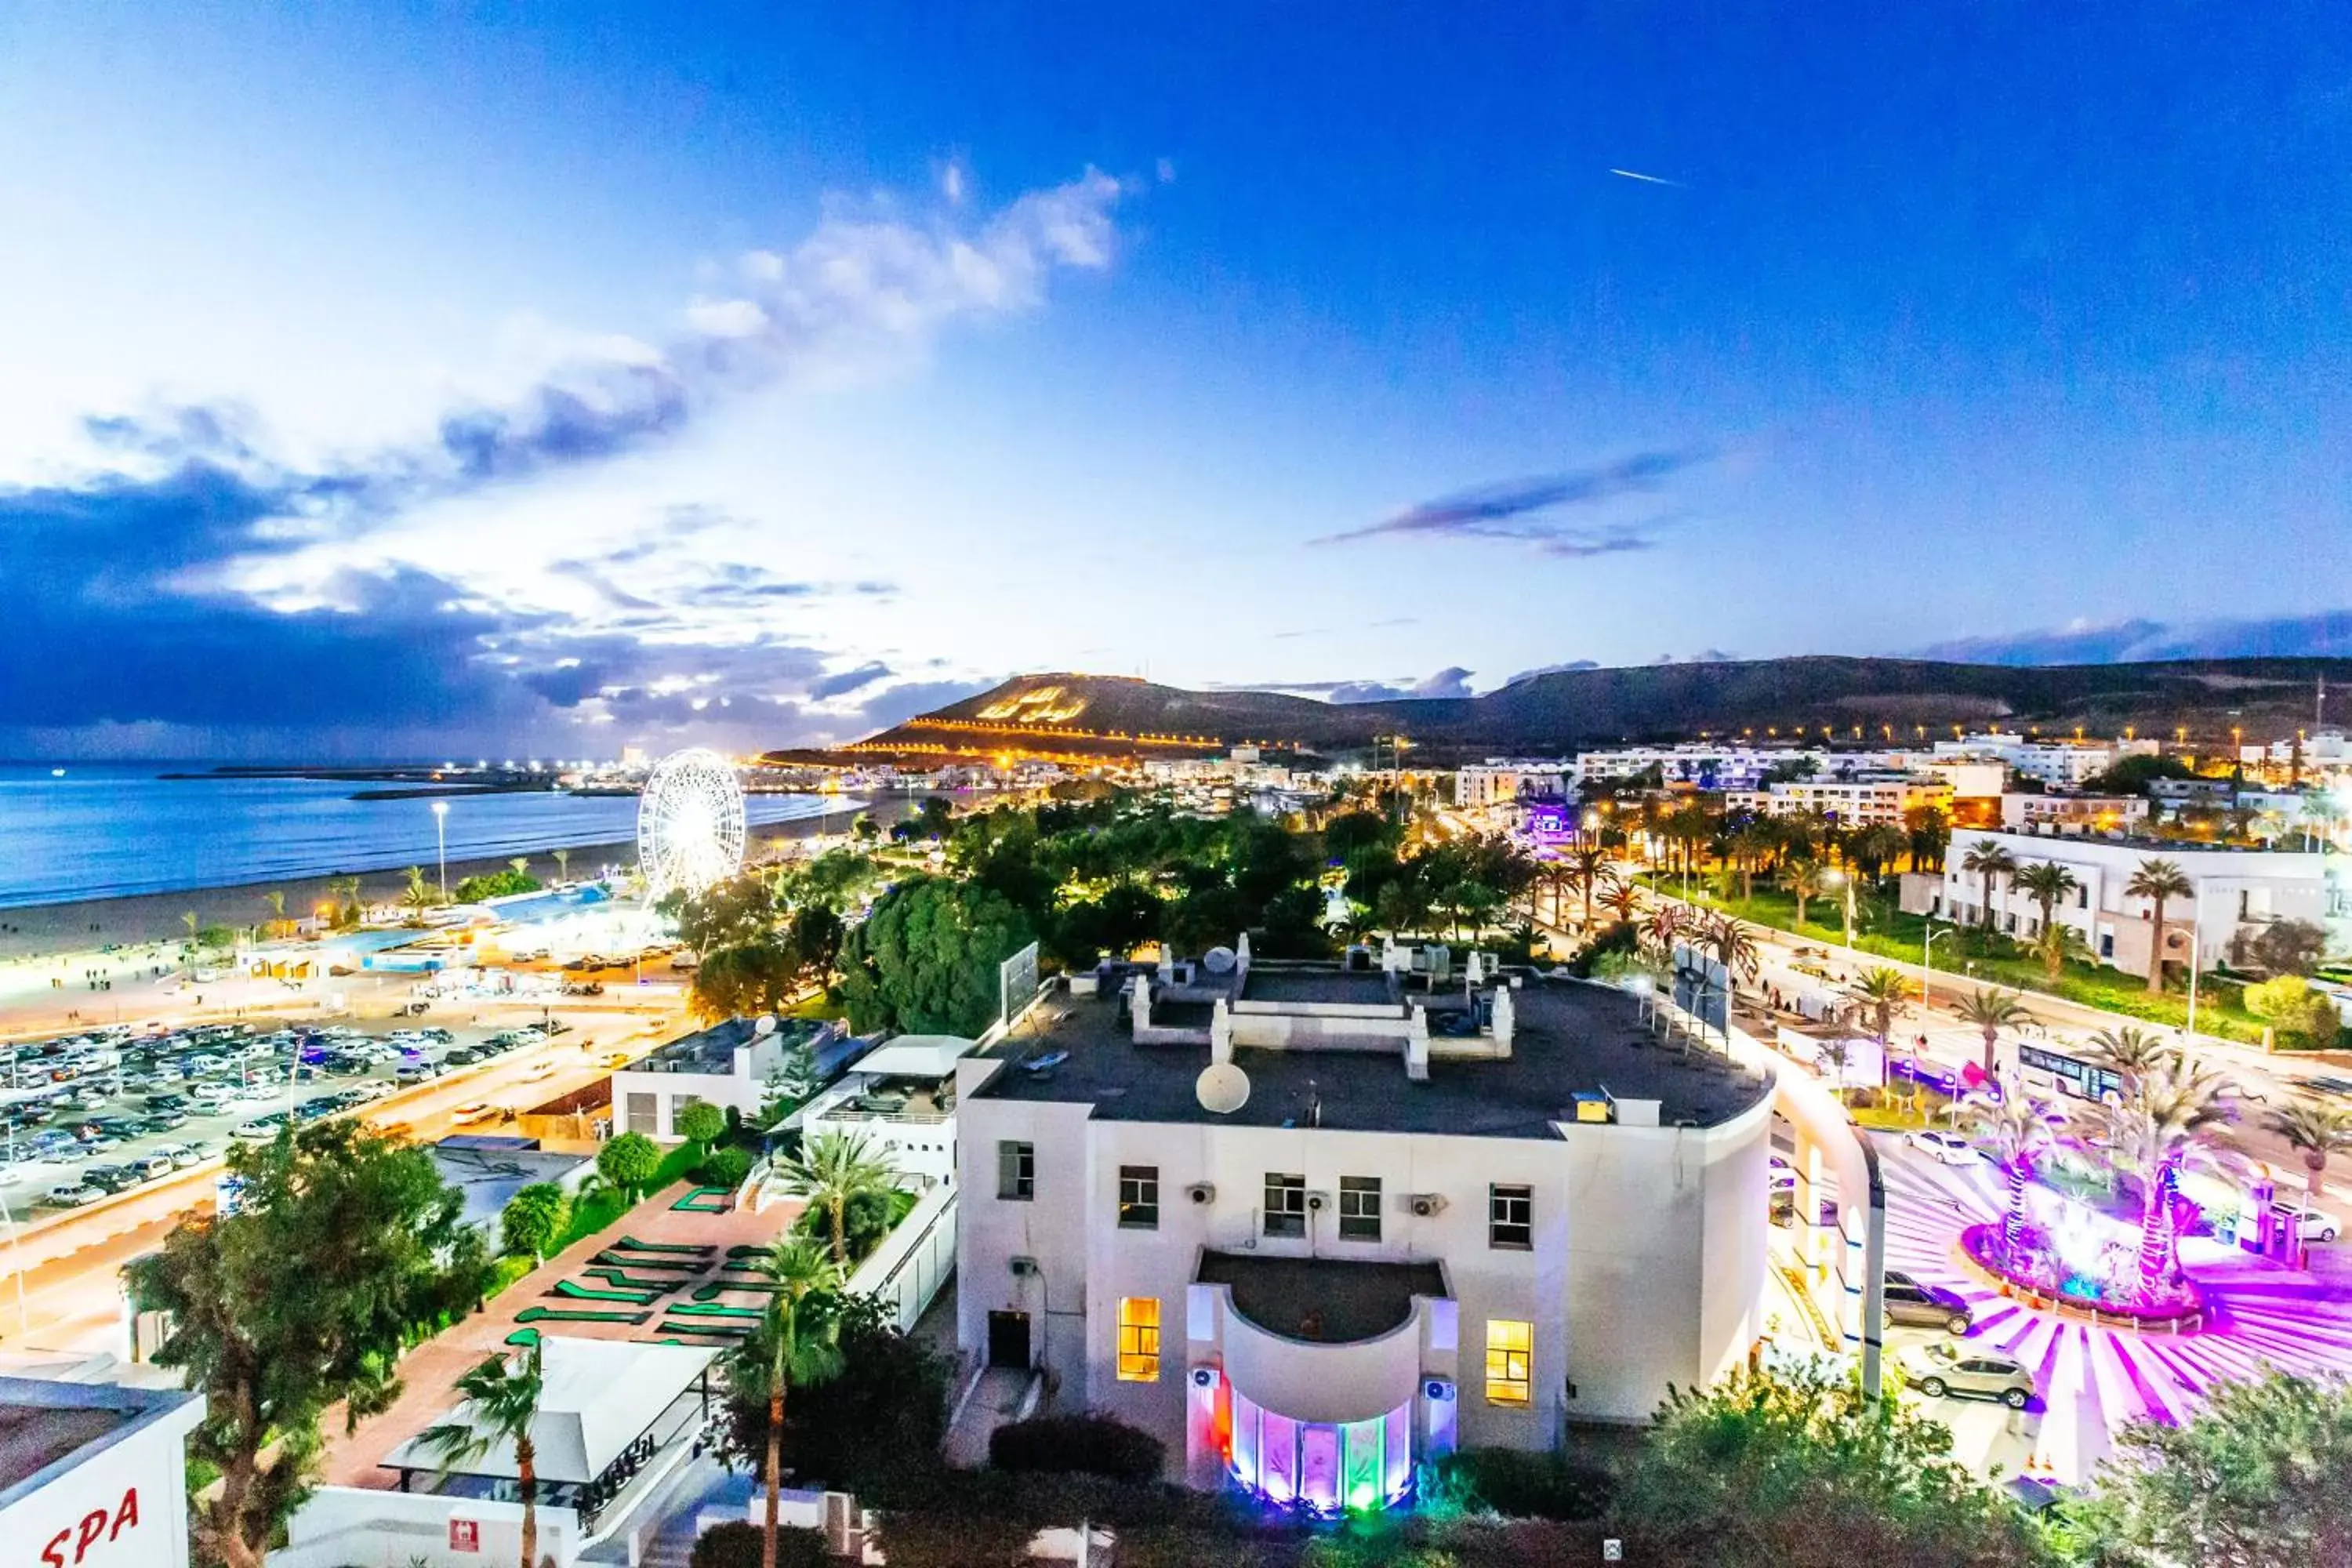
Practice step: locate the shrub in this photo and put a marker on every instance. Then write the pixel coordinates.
(534, 1220)
(866, 1219)
(2295, 1008)
(1522, 1485)
(629, 1161)
(700, 1122)
(723, 1168)
(1089, 1445)
(736, 1544)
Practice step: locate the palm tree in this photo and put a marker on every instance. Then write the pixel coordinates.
(1882, 990)
(2131, 1050)
(1733, 943)
(1749, 847)
(2314, 1131)
(2020, 1128)
(276, 900)
(2046, 882)
(2057, 944)
(519, 865)
(1990, 1012)
(1621, 898)
(1929, 830)
(1987, 859)
(1801, 880)
(2162, 1123)
(798, 1342)
(1584, 869)
(2159, 881)
(419, 893)
(1875, 847)
(832, 1168)
(501, 1405)
(562, 865)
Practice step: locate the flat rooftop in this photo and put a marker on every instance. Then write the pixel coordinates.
(47, 1428)
(35, 1436)
(1571, 1038)
(1322, 1300)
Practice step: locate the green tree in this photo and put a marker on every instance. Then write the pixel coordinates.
(2254, 1479)
(2295, 1008)
(926, 959)
(797, 1343)
(745, 979)
(418, 894)
(493, 884)
(1882, 990)
(701, 1124)
(1802, 880)
(344, 1244)
(1800, 1471)
(1988, 1012)
(832, 1169)
(2288, 947)
(629, 1162)
(562, 864)
(2057, 944)
(2160, 882)
(1929, 830)
(2130, 1050)
(2315, 1133)
(534, 1220)
(501, 1402)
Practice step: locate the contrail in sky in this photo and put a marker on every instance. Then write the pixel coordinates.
(1645, 179)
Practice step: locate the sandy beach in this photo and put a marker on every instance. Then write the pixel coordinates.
(46, 931)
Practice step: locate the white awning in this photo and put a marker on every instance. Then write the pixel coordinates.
(916, 1056)
(597, 1397)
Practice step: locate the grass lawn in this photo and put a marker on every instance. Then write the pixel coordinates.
(1971, 953)
(1894, 1113)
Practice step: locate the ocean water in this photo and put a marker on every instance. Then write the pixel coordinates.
(113, 830)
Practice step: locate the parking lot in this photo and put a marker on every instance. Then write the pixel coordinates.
(86, 1115)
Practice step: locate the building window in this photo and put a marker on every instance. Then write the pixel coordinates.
(1510, 1354)
(1139, 1339)
(1016, 1171)
(1139, 1197)
(1510, 1217)
(1285, 1204)
(1360, 1208)
(640, 1111)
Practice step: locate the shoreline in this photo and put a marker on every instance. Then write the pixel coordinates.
(34, 933)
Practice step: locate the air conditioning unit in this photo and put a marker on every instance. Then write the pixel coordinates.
(1315, 1201)
(1023, 1267)
(1425, 1205)
(1202, 1191)
(1437, 1391)
(1204, 1377)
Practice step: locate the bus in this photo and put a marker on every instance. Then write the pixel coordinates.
(2046, 1069)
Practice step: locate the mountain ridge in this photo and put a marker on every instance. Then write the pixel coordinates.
(1857, 699)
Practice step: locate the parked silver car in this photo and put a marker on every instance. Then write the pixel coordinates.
(1942, 1369)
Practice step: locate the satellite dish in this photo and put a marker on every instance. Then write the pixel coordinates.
(1223, 1088)
(1218, 960)
(766, 1026)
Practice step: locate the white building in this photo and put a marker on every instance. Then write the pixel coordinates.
(2073, 812)
(94, 1475)
(1441, 1213)
(2061, 764)
(1496, 782)
(900, 1097)
(727, 1065)
(2234, 889)
(1862, 801)
(1729, 765)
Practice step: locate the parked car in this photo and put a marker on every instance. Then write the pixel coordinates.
(418, 1071)
(2317, 1224)
(149, 1165)
(71, 1195)
(182, 1155)
(260, 1130)
(1942, 1370)
(1948, 1147)
(1915, 1305)
(110, 1178)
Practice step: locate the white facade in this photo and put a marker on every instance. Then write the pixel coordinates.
(1859, 802)
(2073, 812)
(2062, 764)
(1495, 782)
(1526, 1272)
(116, 1494)
(899, 1098)
(2235, 887)
(727, 1065)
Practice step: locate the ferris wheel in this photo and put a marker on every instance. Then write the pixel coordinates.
(689, 823)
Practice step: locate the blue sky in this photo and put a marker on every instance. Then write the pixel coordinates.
(391, 380)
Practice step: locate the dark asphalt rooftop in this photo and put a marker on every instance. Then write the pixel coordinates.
(1323, 1301)
(1570, 1038)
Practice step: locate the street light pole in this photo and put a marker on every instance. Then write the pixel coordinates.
(441, 840)
(2196, 944)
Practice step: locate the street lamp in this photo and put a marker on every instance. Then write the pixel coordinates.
(1928, 959)
(1837, 877)
(441, 840)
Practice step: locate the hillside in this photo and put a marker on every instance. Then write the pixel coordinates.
(1081, 717)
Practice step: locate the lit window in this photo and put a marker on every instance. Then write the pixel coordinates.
(1510, 1351)
(1016, 1171)
(1360, 1208)
(1139, 1339)
(1139, 1197)
(1510, 1217)
(1285, 1204)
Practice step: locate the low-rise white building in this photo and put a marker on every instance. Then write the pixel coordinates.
(1497, 782)
(1310, 1225)
(728, 1065)
(900, 1097)
(94, 1475)
(2022, 811)
(2233, 889)
(1861, 800)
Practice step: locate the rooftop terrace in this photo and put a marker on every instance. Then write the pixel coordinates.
(1572, 1038)
(1323, 1301)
